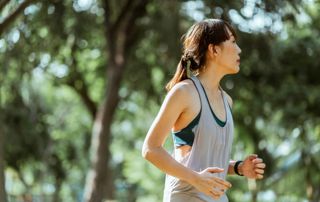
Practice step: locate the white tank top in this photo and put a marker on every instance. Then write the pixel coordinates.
(211, 148)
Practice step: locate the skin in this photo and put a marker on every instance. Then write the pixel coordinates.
(180, 107)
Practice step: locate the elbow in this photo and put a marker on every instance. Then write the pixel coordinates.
(145, 152)
(148, 153)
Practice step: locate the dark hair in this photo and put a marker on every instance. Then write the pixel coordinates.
(195, 44)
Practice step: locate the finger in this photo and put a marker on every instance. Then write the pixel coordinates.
(252, 156)
(259, 176)
(215, 170)
(214, 196)
(260, 165)
(257, 160)
(259, 171)
(217, 192)
(222, 184)
(214, 184)
(219, 186)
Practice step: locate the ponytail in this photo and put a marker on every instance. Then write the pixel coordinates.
(184, 71)
(179, 75)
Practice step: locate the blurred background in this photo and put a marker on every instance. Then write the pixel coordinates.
(82, 80)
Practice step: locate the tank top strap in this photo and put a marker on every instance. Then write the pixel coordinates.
(226, 104)
(201, 92)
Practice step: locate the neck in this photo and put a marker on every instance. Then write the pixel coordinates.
(211, 77)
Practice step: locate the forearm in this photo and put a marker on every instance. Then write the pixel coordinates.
(164, 161)
(231, 167)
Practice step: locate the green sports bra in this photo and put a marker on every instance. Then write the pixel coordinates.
(185, 136)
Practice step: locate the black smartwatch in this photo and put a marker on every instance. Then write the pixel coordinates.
(236, 168)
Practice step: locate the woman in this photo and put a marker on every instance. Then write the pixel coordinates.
(198, 113)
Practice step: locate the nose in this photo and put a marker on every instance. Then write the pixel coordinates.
(239, 49)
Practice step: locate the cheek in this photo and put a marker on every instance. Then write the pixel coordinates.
(229, 56)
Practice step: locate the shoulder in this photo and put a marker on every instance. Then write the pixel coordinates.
(183, 93)
(229, 99)
(183, 89)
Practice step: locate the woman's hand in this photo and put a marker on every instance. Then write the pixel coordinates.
(252, 167)
(207, 183)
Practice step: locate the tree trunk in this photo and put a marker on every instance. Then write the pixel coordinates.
(11, 18)
(3, 26)
(3, 195)
(100, 171)
(132, 193)
(56, 197)
(99, 182)
(3, 4)
(254, 197)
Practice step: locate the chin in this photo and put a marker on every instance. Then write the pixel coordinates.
(234, 70)
(237, 69)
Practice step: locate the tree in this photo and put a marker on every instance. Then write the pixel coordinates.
(119, 36)
(4, 25)
(65, 66)
(14, 14)
(3, 196)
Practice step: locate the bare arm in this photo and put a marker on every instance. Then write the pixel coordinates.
(231, 167)
(153, 150)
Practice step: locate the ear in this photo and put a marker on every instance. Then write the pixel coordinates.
(214, 50)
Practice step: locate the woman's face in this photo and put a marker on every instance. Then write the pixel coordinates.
(228, 55)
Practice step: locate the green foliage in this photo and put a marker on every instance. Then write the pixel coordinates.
(58, 50)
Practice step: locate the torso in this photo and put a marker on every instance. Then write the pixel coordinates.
(193, 107)
(211, 140)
